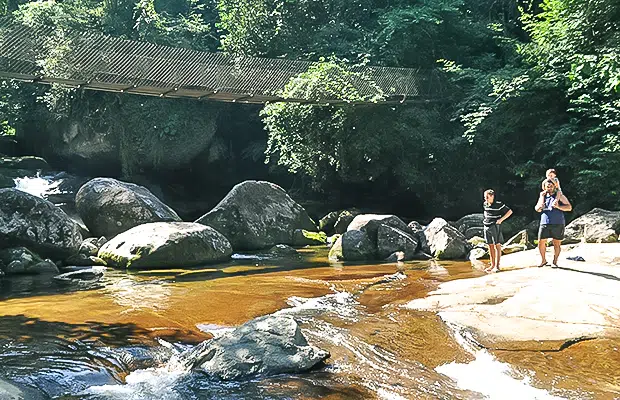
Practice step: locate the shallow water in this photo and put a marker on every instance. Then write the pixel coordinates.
(118, 338)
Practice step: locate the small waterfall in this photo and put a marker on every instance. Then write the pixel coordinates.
(40, 186)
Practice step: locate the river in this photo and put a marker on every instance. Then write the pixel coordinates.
(118, 338)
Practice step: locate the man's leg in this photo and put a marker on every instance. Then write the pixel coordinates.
(556, 251)
(542, 248)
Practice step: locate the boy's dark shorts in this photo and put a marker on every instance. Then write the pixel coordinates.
(553, 231)
(493, 234)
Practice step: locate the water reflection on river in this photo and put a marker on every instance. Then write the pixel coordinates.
(118, 338)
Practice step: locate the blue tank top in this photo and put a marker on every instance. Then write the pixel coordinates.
(551, 215)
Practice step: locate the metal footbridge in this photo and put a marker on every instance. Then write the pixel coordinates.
(96, 61)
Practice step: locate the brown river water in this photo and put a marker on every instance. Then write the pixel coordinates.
(117, 338)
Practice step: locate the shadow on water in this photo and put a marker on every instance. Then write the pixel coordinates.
(16, 286)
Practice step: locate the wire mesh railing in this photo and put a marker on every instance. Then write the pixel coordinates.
(101, 62)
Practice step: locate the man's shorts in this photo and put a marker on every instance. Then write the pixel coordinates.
(554, 231)
(493, 234)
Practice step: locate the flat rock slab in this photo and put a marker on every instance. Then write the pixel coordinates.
(532, 308)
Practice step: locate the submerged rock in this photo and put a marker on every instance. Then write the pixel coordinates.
(109, 207)
(87, 275)
(166, 244)
(35, 223)
(257, 214)
(265, 346)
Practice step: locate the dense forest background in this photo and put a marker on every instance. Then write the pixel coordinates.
(526, 86)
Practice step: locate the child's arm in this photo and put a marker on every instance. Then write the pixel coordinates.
(557, 184)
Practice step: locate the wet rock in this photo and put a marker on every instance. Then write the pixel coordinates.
(83, 260)
(166, 244)
(390, 240)
(88, 275)
(20, 260)
(10, 391)
(109, 207)
(335, 252)
(326, 224)
(470, 225)
(87, 248)
(418, 230)
(6, 182)
(257, 214)
(370, 223)
(597, 226)
(283, 250)
(344, 219)
(302, 237)
(445, 242)
(265, 346)
(35, 223)
(26, 162)
(357, 246)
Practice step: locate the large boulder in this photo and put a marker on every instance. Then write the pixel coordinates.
(370, 223)
(265, 346)
(597, 226)
(391, 240)
(166, 244)
(108, 206)
(20, 260)
(256, 215)
(445, 242)
(470, 225)
(357, 246)
(343, 221)
(35, 223)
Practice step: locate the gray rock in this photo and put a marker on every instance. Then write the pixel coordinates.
(391, 240)
(357, 246)
(87, 248)
(6, 182)
(166, 244)
(445, 242)
(302, 237)
(370, 223)
(109, 207)
(265, 346)
(597, 226)
(35, 223)
(257, 214)
(470, 225)
(26, 162)
(326, 224)
(335, 252)
(20, 260)
(283, 250)
(418, 230)
(88, 275)
(84, 260)
(343, 221)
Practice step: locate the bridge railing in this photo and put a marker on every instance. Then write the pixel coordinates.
(100, 62)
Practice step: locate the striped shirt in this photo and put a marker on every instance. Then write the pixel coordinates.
(493, 212)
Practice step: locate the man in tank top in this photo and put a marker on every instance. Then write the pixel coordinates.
(552, 205)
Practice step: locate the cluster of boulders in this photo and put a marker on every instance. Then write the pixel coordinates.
(127, 226)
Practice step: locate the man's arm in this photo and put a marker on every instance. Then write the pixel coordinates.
(504, 217)
(563, 204)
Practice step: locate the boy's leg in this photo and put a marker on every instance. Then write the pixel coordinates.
(492, 255)
(498, 256)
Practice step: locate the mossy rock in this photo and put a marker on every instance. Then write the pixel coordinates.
(302, 237)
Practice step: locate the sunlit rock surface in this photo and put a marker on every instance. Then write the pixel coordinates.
(535, 305)
(108, 206)
(35, 223)
(257, 214)
(166, 244)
